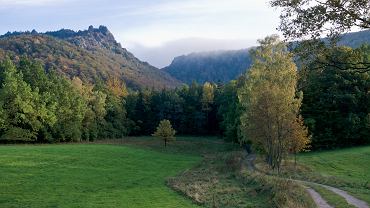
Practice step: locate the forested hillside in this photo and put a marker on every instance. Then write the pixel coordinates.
(223, 66)
(218, 66)
(91, 54)
(355, 39)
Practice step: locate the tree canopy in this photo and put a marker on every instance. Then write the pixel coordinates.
(313, 18)
(165, 131)
(269, 96)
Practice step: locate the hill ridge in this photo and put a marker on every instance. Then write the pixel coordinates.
(226, 65)
(94, 53)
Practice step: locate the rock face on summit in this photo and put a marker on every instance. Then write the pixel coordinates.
(89, 39)
(91, 54)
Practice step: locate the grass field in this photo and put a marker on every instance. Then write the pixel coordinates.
(351, 164)
(350, 167)
(137, 172)
(83, 175)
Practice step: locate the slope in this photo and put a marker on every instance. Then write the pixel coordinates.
(224, 66)
(217, 66)
(91, 54)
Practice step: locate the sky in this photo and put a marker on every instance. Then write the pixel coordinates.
(155, 31)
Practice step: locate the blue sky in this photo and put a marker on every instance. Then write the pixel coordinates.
(154, 30)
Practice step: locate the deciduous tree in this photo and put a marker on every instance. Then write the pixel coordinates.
(271, 102)
(313, 18)
(165, 131)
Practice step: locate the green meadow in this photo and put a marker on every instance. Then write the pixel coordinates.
(89, 175)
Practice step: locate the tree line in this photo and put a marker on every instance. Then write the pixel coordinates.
(40, 106)
(44, 106)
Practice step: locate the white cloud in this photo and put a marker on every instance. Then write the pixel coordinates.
(161, 56)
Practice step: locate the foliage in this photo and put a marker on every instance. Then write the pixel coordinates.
(92, 55)
(183, 106)
(271, 104)
(24, 112)
(165, 131)
(229, 111)
(60, 109)
(45, 107)
(309, 20)
(334, 79)
(207, 96)
(312, 18)
(336, 102)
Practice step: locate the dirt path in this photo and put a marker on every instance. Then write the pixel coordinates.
(349, 198)
(320, 202)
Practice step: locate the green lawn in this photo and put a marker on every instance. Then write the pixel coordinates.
(350, 165)
(95, 175)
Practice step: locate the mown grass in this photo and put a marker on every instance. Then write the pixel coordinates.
(139, 171)
(188, 145)
(348, 169)
(83, 175)
(352, 164)
(217, 181)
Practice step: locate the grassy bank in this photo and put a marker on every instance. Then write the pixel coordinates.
(348, 169)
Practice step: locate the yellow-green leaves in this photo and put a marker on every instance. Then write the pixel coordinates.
(271, 103)
(165, 131)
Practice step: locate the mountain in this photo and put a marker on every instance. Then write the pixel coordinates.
(217, 66)
(91, 54)
(355, 39)
(223, 66)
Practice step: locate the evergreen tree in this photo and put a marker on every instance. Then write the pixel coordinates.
(336, 102)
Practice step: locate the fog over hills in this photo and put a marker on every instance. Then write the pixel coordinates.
(223, 66)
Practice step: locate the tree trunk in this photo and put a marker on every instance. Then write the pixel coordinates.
(295, 160)
(165, 143)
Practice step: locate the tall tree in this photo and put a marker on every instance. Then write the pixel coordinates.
(229, 111)
(271, 101)
(23, 110)
(336, 102)
(70, 111)
(208, 96)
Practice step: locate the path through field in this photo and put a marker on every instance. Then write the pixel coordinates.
(320, 202)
